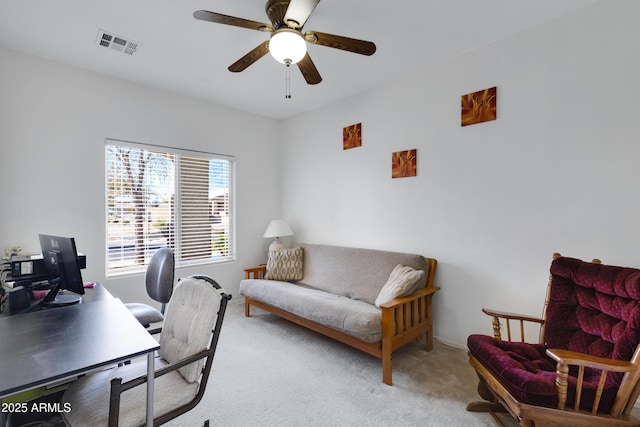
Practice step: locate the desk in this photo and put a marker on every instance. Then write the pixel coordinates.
(48, 345)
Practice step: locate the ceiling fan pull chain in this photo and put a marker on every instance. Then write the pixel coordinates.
(287, 94)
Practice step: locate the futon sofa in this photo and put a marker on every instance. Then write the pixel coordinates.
(349, 294)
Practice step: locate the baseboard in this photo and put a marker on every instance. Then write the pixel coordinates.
(450, 343)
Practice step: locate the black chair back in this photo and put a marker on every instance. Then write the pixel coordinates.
(160, 274)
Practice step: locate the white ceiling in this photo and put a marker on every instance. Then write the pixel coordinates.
(187, 56)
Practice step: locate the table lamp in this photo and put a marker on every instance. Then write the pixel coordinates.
(277, 228)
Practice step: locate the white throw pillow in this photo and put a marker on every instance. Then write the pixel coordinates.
(284, 264)
(402, 281)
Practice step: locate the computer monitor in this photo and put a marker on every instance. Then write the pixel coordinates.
(63, 270)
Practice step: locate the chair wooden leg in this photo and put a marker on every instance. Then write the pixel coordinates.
(491, 405)
(429, 340)
(484, 391)
(429, 344)
(386, 368)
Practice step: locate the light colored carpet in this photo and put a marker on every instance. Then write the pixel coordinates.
(271, 372)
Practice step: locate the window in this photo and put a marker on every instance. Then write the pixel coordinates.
(157, 196)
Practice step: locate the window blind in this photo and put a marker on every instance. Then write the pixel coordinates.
(157, 196)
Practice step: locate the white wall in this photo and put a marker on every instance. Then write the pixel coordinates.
(558, 170)
(54, 120)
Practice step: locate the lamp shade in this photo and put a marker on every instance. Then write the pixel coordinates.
(287, 46)
(278, 228)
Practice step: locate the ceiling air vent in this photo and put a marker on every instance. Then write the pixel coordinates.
(118, 43)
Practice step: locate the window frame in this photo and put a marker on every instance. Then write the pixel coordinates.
(177, 206)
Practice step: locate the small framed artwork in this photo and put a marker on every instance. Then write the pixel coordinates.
(352, 136)
(404, 163)
(478, 107)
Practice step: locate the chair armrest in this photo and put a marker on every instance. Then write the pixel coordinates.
(515, 316)
(521, 318)
(118, 387)
(414, 296)
(141, 379)
(256, 272)
(566, 358)
(155, 331)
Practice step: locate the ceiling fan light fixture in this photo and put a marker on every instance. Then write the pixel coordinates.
(287, 46)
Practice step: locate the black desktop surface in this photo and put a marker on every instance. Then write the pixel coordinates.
(49, 344)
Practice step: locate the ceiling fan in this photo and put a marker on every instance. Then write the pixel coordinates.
(287, 43)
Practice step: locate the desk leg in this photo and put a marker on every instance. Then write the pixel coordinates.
(150, 381)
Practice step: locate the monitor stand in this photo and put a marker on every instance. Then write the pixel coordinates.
(54, 299)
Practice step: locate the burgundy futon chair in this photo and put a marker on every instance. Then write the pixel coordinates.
(591, 324)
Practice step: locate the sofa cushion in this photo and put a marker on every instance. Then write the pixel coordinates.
(355, 273)
(284, 264)
(529, 374)
(598, 307)
(402, 281)
(523, 368)
(355, 318)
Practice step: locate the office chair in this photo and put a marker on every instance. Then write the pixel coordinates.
(159, 282)
(188, 342)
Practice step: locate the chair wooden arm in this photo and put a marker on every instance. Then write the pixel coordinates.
(414, 296)
(403, 316)
(507, 315)
(569, 357)
(497, 315)
(405, 319)
(565, 358)
(257, 272)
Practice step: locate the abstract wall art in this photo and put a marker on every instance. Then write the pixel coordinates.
(352, 136)
(404, 163)
(478, 107)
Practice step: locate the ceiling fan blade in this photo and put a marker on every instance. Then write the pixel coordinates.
(251, 57)
(218, 18)
(298, 12)
(340, 42)
(309, 70)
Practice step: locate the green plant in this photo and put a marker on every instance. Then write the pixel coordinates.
(11, 251)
